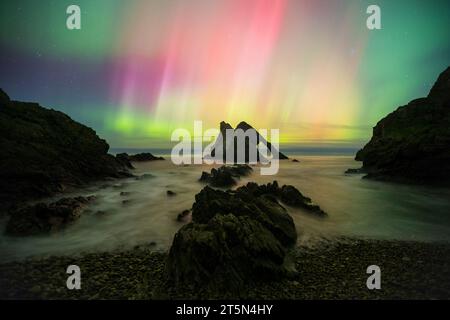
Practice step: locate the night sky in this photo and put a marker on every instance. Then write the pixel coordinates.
(138, 69)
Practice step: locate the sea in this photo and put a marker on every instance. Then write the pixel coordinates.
(144, 214)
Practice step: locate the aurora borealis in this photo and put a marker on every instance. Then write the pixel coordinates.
(140, 68)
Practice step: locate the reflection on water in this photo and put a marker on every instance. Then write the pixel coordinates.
(356, 207)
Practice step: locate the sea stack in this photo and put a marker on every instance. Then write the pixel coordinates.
(230, 146)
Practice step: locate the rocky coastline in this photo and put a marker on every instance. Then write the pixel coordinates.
(411, 145)
(238, 243)
(45, 152)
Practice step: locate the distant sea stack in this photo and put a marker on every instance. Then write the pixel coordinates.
(227, 146)
(412, 144)
(43, 151)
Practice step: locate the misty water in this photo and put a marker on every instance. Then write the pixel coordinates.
(356, 207)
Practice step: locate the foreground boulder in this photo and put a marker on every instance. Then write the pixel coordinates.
(44, 218)
(225, 176)
(235, 238)
(43, 151)
(412, 144)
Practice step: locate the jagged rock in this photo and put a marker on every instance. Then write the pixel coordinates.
(225, 176)
(140, 157)
(292, 197)
(287, 194)
(295, 160)
(412, 144)
(170, 193)
(43, 151)
(44, 218)
(234, 238)
(231, 146)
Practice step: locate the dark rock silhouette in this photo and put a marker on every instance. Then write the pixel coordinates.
(236, 237)
(354, 171)
(228, 146)
(140, 157)
(124, 159)
(412, 144)
(43, 151)
(183, 216)
(44, 218)
(225, 176)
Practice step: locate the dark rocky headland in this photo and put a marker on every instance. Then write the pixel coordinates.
(44, 151)
(412, 144)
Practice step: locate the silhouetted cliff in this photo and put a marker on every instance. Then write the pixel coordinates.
(412, 144)
(43, 151)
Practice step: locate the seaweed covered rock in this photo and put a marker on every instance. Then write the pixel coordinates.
(235, 238)
(43, 151)
(44, 218)
(226, 176)
(412, 144)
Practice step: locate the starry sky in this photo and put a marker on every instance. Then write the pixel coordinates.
(138, 69)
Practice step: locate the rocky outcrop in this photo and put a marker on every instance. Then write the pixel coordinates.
(43, 151)
(235, 238)
(124, 159)
(44, 218)
(225, 176)
(292, 197)
(184, 216)
(249, 147)
(412, 144)
(140, 157)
